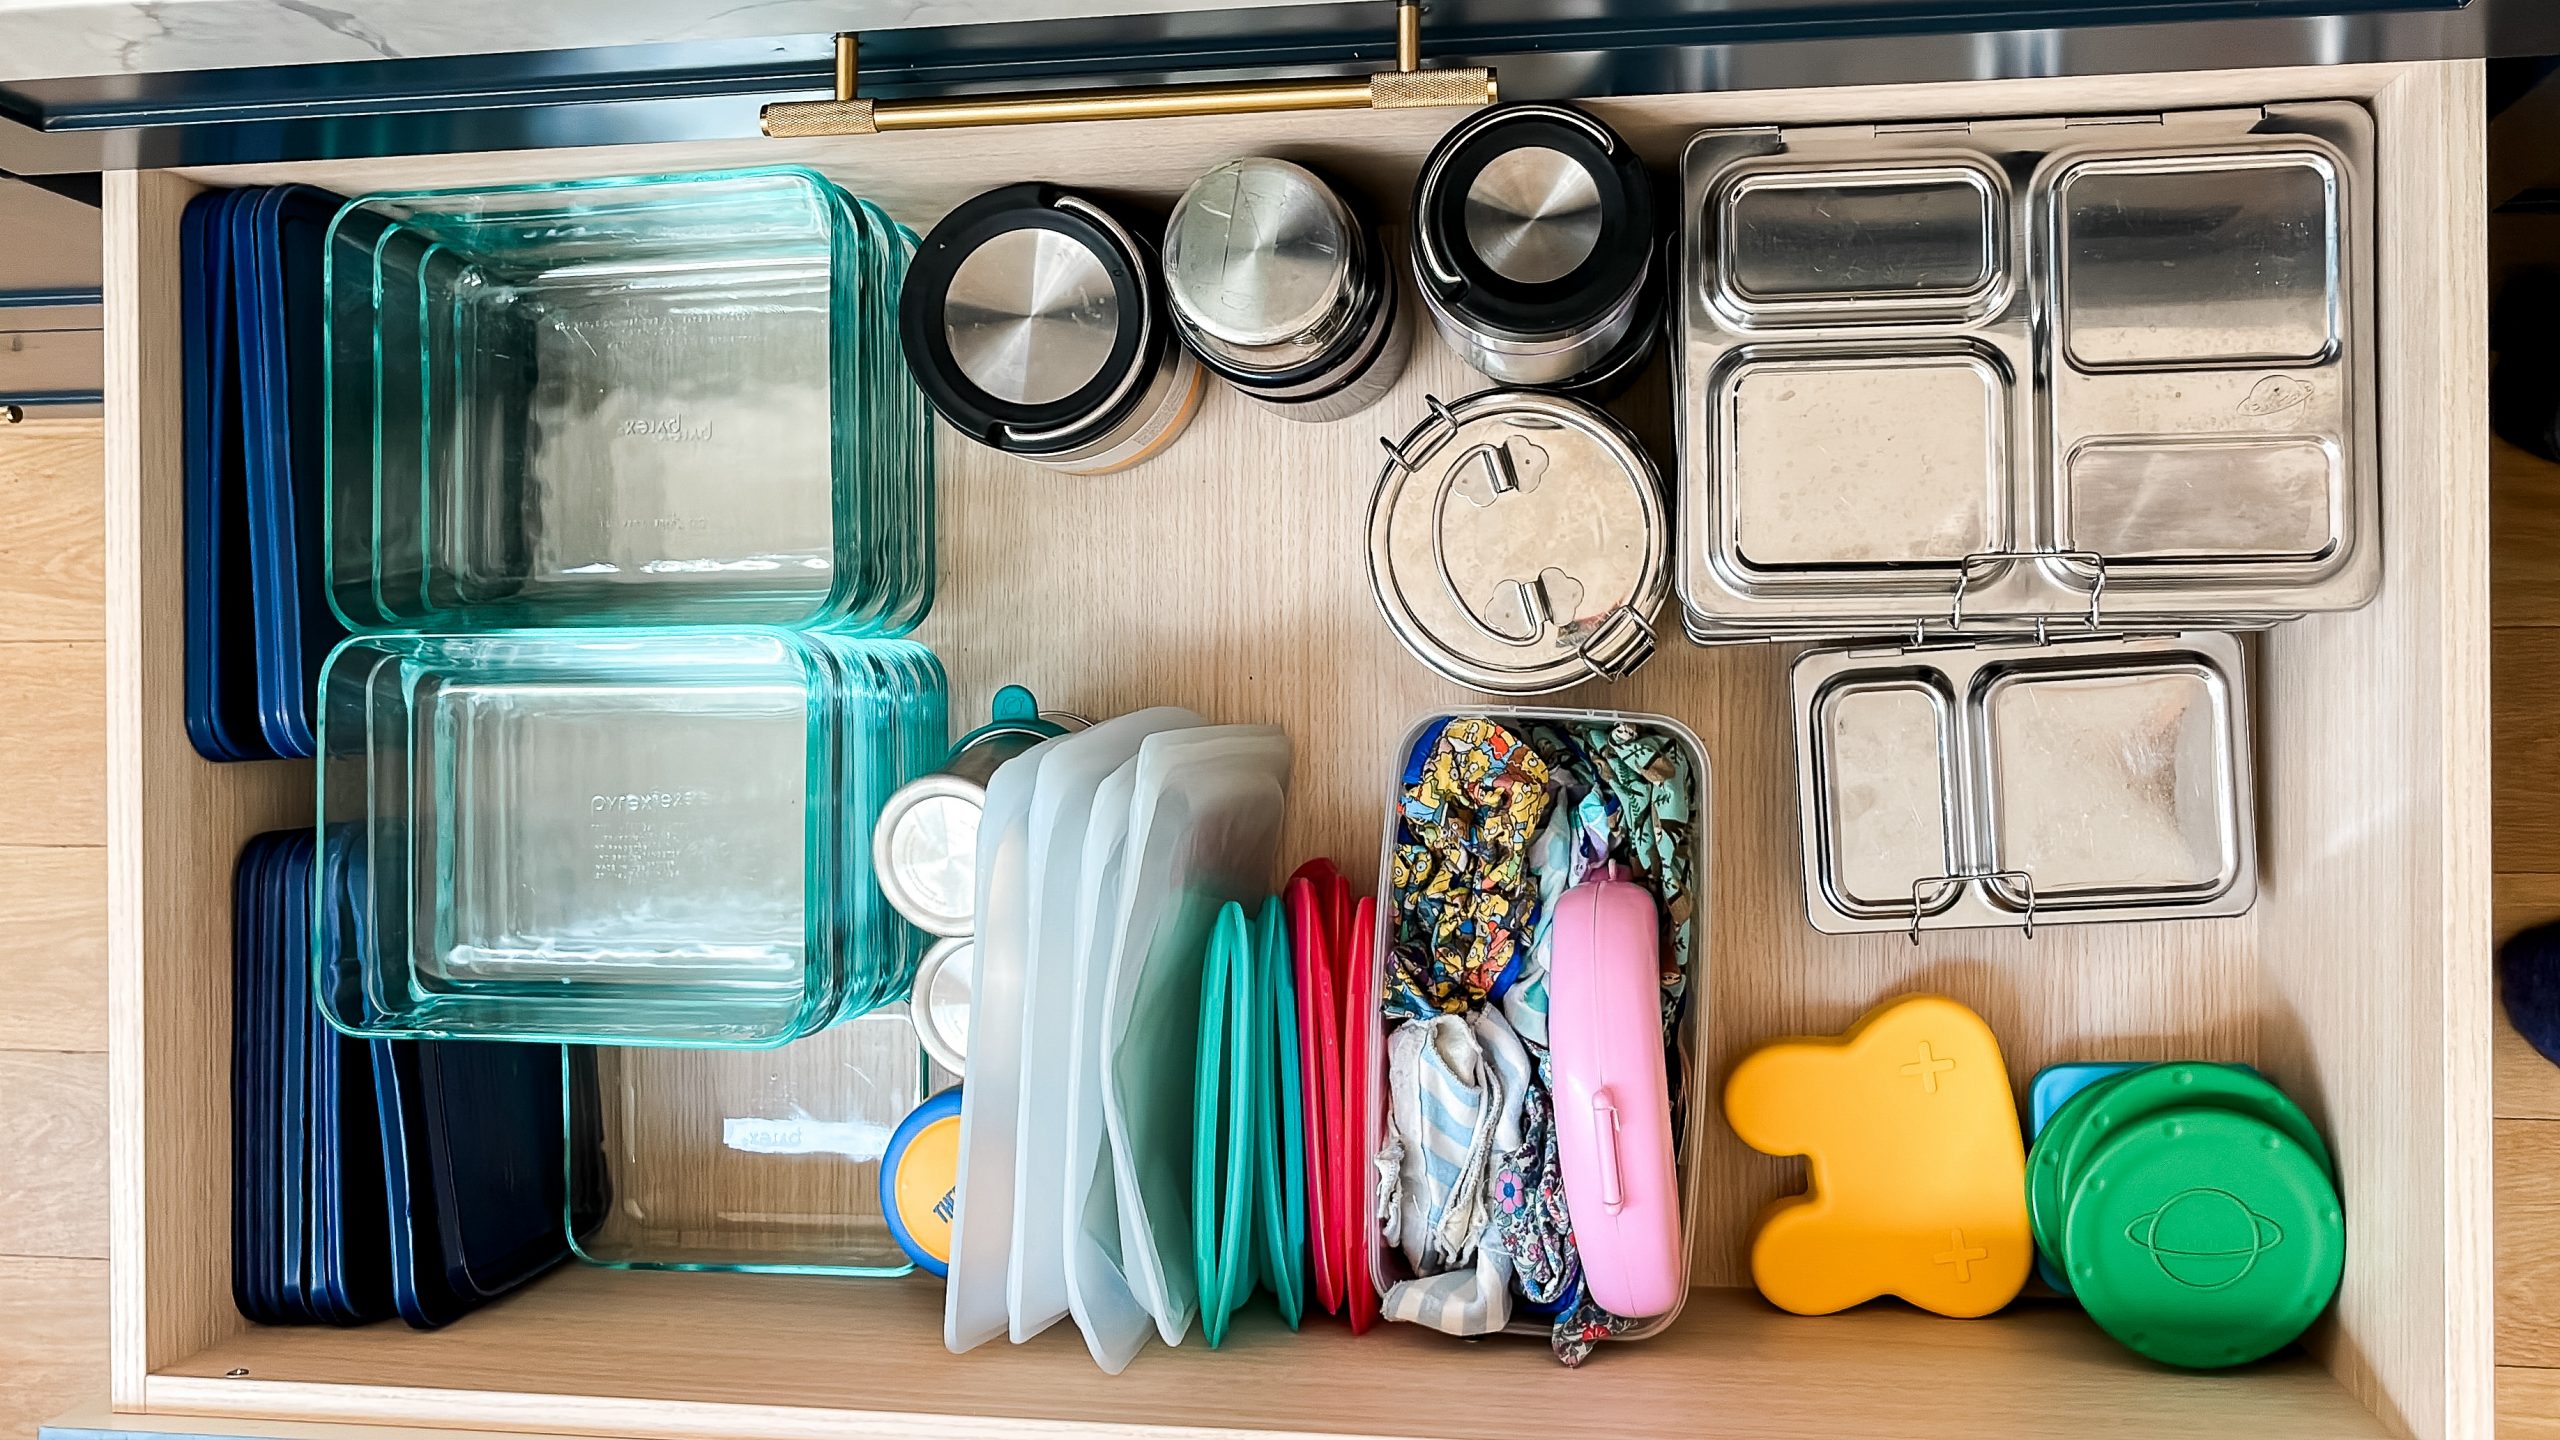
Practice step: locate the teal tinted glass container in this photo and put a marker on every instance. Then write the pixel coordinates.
(660, 400)
(758, 1160)
(636, 837)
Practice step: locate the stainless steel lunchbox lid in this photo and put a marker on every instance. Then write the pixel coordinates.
(1518, 543)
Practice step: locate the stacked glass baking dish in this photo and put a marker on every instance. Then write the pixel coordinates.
(2029, 411)
(629, 492)
(673, 398)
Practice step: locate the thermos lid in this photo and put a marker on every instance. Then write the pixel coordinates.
(1031, 315)
(1031, 318)
(1262, 264)
(1533, 220)
(924, 852)
(1532, 214)
(920, 1181)
(1518, 543)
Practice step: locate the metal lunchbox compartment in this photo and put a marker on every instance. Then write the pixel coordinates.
(1949, 787)
(1993, 372)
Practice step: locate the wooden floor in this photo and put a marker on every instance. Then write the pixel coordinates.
(52, 929)
(2525, 660)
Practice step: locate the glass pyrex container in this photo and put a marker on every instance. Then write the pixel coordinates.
(758, 1160)
(1687, 1039)
(659, 400)
(645, 837)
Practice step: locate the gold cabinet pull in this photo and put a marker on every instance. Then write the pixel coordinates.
(1406, 87)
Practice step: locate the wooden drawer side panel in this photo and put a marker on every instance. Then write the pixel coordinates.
(174, 827)
(2374, 930)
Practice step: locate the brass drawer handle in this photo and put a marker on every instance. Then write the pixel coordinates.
(1406, 87)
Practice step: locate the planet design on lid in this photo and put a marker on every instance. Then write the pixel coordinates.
(2205, 1239)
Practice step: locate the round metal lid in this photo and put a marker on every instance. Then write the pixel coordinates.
(941, 999)
(1031, 316)
(1033, 320)
(924, 849)
(1534, 223)
(1259, 252)
(1533, 214)
(1518, 543)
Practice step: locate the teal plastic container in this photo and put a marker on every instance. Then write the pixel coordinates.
(630, 837)
(673, 399)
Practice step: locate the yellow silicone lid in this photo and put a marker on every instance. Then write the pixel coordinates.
(1910, 1133)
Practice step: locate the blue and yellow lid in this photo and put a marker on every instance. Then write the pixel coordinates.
(920, 1180)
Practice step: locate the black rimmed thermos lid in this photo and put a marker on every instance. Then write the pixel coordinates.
(1033, 319)
(1535, 244)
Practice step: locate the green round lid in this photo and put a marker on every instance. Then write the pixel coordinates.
(2138, 1094)
(2204, 1238)
(2047, 1197)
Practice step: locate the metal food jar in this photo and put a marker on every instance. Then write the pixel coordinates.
(1278, 286)
(1034, 321)
(1536, 248)
(1518, 543)
(924, 847)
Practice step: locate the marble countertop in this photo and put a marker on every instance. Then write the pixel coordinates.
(53, 39)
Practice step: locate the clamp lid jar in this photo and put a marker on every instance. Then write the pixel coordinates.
(1518, 543)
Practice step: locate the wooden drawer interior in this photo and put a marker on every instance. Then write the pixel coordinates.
(1228, 575)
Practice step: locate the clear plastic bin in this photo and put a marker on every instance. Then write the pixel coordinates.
(1691, 1114)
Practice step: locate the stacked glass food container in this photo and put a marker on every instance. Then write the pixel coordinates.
(629, 492)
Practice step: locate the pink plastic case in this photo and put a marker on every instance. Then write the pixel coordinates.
(1613, 1094)
(1386, 1265)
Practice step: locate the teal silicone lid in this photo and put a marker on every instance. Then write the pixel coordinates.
(2204, 1238)
(1229, 1120)
(1281, 1157)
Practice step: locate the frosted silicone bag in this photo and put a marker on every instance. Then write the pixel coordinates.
(1106, 1310)
(973, 1309)
(1204, 829)
(1061, 809)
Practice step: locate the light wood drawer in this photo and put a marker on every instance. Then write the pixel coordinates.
(1228, 575)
